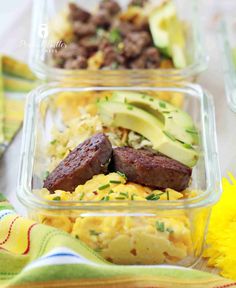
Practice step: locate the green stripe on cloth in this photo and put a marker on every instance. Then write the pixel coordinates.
(1, 106)
(36, 255)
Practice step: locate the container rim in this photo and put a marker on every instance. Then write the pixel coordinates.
(46, 71)
(213, 179)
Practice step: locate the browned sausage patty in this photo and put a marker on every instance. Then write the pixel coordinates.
(88, 159)
(146, 168)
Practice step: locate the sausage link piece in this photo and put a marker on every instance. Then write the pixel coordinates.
(88, 159)
(154, 170)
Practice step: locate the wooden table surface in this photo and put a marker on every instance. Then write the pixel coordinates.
(212, 80)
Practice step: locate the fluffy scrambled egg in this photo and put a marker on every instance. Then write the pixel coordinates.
(155, 238)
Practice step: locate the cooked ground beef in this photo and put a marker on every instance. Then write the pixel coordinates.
(125, 43)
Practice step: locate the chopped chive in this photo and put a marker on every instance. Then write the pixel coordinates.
(160, 226)
(97, 100)
(81, 196)
(188, 146)
(130, 107)
(151, 99)
(132, 196)
(110, 192)
(94, 233)
(115, 181)
(152, 197)
(56, 198)
(167, 195)
(192, 131)
(98, 249)
(162, 104)
(121, 174)
(77, 236)
(105, 198)
(120, 198)
(104, 186)
(169, 135)
(170, 117)
(53, 141)
(166, 112)
(106, 98)
(170, 230)
(143, 96)
(124, 194)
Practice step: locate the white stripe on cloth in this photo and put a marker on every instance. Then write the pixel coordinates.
(59, 256)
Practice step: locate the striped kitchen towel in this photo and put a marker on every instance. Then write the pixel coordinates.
(36, 255)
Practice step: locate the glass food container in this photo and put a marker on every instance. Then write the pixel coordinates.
(130, 232)
(41, 47)
(227, 38)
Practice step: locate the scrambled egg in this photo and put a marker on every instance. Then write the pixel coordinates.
(131, 238)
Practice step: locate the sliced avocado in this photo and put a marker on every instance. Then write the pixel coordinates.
(174, 120)
(168, 33)
(17, 84)
(17, 68)
(159, 21)
(133, 118)
(177, 43)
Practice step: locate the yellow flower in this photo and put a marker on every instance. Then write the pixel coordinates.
(221, 238)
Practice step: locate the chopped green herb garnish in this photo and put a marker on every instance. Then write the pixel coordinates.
(166, 112)
(170, 117)
(104, 186)
(188, 146)
(120, 198)
(115, 36)
(53, 141)
(110, 192)
(124, 194)
(169, 135)
(121, 174)
(162, 104)
(94, 233)
(132, 196)
(77, 236)
(105, 198)
(106, 98)
(170, 230)
(143, 96)
(115, 181)
(56, 198)
(160, 226)
(167, 195)
(81, 196)
(98, 249)
(151, 99)
(152, 197)
(130, 107)
(114, 65)
(192, 131)
(97, 100)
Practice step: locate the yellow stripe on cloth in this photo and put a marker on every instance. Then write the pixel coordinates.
(15, 232)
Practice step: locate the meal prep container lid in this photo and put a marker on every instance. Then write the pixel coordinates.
(43, 10)
(213, 179)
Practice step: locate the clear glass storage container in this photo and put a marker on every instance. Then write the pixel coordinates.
(130, 232)
(41, 47)
(227, 38)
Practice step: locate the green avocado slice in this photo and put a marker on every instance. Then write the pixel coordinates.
(174, 120)
(133, 118)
